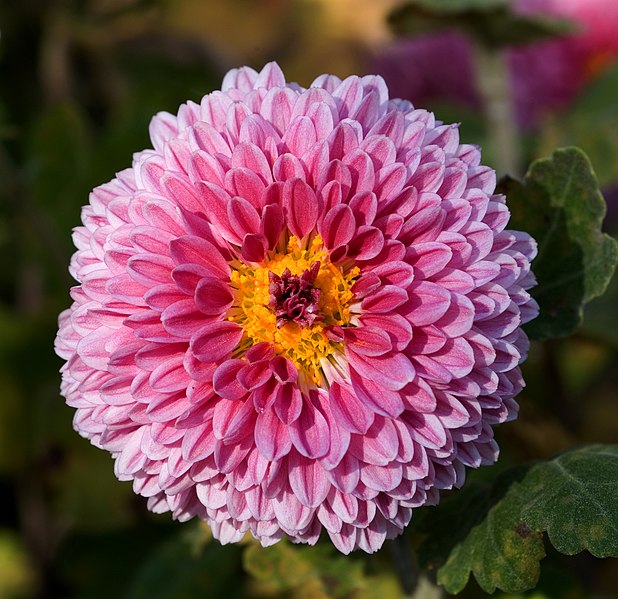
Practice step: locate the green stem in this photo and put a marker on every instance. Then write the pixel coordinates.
(495, 87)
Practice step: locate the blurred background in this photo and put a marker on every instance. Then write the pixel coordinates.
(79, 82)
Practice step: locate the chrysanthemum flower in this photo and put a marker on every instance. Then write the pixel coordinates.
(300, 312)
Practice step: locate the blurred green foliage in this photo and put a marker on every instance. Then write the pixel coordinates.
(492, 23)
(81, 80)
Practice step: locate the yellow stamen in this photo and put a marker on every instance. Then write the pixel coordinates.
(304, 346)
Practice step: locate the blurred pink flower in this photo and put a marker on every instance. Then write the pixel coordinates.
(431, 66)
(545, 76)
(300, 311)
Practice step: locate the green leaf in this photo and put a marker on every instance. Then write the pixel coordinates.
(492, 23)
(560, 205)
(496, 530)
(318, 571)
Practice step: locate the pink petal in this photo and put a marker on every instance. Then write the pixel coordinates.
(349, 410)
(232, 419)
(213, 296)
(309, 432)
(385, 299)
(368, 341)
(225, 380)
(428, 303)
(216, 340)
(254, 247)
(302, 207)
(194, 250)
(377, 397)
(272, 224)
(393, 371)
(308, 480)
(271, 436)
(338, 226)
(379, 445)
(244, 218)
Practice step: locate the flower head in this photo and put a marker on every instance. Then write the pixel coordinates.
(299, 313)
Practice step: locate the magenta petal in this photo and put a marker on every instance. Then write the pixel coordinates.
(426, 429)
(182, 318)
(338, 226)
(254, 247)
(300, 136)
(301, 205)
(213, 296)
(232, 419)
(393, 371)
(229, 457)
(248, 183)
(382, 478)
(252, 376)
(385, 299)
(367, 341)
(205, 167)
(367, 243)
(272, 224)
(283, 369)
(395, 325)
(428, 303)
(288, 403)
(377, 397)
(379, 445)
(182, 192)
(347, 474)
(149, 269)
(271, 436)
(364, 206)
(194, 250)
(216, 340)
(290, 512)
(188, 276)
(309, 432)
(288, 166)
(349, 410)
(225, 380)
(198, 443)
(307, 479)
(367, 283)
(244, 218)
(265, 395)
(169, 377)
(161, 296)
(396, 273)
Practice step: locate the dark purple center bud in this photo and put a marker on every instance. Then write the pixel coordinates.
(293, 298)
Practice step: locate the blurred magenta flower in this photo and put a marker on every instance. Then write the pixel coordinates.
(300, 311)
(545, 76)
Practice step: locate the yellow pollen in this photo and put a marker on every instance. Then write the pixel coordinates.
(303, 346)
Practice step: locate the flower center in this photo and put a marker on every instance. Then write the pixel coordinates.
(293, 297)
(291, 301)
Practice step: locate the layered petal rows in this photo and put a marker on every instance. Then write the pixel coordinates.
(299, 313)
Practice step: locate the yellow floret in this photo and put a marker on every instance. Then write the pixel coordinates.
(304, 346)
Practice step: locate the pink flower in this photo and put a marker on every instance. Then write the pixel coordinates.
(545, 76)
(548, 75)
(300, 311)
